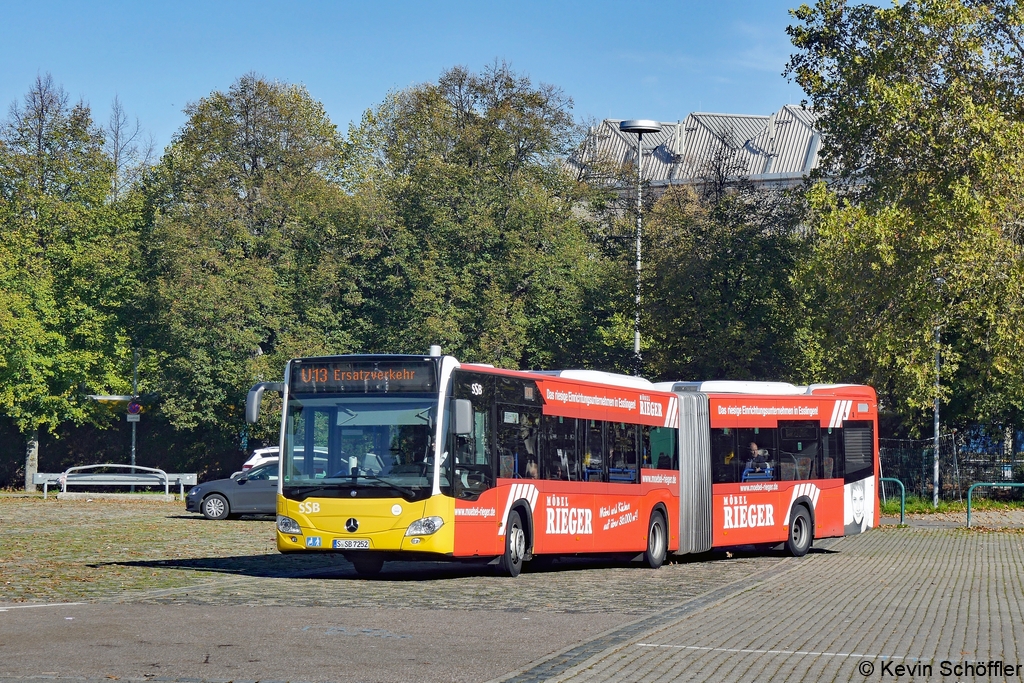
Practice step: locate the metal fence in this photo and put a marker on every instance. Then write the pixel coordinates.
(961, 463)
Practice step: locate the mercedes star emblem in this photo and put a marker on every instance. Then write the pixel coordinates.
(351, 524)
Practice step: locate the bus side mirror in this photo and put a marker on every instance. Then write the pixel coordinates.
(463, 417)
(255, 397)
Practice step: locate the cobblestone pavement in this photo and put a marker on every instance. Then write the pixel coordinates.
(910, 597)
(577, 585)
(221, 605)
(176, 596)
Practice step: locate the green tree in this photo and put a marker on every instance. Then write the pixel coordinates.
(63, 274)
(720, 299)
(920, 112)
(478, 241)
(249, 254)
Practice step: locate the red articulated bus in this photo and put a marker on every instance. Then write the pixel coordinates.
(428, 457)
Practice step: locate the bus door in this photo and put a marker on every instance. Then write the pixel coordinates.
(473, 470)
(562, 505)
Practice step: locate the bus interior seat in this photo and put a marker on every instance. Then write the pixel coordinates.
(788, 471)
(508, 463)
(664, 462)
(752, 474)
(804, 467)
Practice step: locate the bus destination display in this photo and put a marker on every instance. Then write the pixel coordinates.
(353, 377)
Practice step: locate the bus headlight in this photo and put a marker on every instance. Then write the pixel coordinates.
(425, 526)
(287, 525)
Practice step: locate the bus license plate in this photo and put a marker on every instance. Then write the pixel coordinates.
(352, 543)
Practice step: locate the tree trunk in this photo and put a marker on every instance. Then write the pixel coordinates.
(31, 460)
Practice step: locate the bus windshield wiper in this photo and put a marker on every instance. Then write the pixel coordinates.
(408, 494)
(303, 490)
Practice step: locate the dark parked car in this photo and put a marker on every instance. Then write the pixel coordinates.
(253, 493)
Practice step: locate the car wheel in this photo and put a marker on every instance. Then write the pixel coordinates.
(515, 546)
(216, 507)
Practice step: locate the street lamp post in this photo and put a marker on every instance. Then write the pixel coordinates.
(938, 386)
(135, 397)
(638, 126)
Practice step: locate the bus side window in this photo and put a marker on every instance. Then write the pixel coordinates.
(765, 463)
(518, 441)
(474, 469)
(832, 453)
(559, 461)
(622, 453)
(593, 450)
(726, 462)
(659, 447)
(858, 450)
(798, 444)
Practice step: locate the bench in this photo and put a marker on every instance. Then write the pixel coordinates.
(139, 476)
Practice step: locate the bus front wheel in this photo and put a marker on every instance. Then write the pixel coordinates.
(515, 545)
(657, 543)
(799, 541)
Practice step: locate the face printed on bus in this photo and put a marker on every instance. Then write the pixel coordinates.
(857, 501)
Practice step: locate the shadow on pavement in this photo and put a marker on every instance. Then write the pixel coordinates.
(335, 566)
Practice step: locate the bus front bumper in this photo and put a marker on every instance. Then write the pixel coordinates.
(373, 526)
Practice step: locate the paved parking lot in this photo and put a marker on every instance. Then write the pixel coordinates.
(910, 597)
(221, 605)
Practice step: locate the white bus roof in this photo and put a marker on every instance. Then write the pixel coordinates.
(602, 378)
(746, 387)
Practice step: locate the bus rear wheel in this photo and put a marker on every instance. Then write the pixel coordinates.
(799, 541)
(657, 543)
(515, 546)
(368, 564)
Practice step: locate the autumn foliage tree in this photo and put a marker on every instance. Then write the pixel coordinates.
(65, 265)
(918, 225)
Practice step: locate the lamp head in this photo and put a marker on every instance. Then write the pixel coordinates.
(639, 126)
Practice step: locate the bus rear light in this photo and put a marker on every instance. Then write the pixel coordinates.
(425, 526)
(287, 525)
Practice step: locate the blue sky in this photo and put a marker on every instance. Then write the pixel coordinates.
(657, 60)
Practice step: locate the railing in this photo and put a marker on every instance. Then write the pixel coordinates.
(903, 499)
(148, 476)
(986, 483)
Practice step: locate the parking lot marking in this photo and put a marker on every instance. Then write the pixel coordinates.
(770, 652)
(554, 665)
(4, 608)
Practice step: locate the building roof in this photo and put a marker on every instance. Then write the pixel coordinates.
(780, 149)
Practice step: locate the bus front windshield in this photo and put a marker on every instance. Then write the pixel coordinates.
(365, 446)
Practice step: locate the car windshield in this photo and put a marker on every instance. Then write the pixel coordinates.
(373, 446)
(268, 472)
